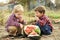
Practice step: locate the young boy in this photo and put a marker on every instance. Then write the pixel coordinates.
(15, 22)
(43, 21)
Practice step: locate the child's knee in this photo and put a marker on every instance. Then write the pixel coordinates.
(48, 33)
(12, 29)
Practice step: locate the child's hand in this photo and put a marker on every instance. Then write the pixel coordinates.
(21, 19)
(21, 26)
(37, 18)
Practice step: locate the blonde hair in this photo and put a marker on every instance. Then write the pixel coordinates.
(18, 8)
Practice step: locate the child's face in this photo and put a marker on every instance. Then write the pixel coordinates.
(38, 14)
(18, 14)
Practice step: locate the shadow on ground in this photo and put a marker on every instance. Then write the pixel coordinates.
(54, 36)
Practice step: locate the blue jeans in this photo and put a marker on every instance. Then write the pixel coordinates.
(46, 29)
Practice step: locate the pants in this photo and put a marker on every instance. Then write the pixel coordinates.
(46, 29)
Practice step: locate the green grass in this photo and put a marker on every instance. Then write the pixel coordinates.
(53, 14)
(49, 13)
(29, 16)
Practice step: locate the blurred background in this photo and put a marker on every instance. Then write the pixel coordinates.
(6, 7)
(52, 11)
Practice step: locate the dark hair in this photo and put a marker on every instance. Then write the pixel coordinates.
(40, 9)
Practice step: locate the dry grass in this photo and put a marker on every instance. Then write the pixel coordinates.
(29, 16)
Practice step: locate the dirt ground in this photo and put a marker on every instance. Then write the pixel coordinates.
(54, 36)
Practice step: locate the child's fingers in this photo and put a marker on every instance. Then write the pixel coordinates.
(21, 26)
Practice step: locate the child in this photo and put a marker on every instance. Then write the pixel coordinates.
(43, 21)
(15, 22)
